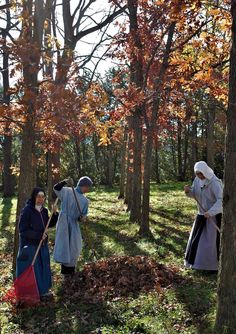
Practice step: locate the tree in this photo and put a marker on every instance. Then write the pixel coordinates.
(151, 128)
(226, 311)
(148, 54)
(8, 178)
(136, 79)
(34, 14)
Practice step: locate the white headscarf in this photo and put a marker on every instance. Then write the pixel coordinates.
(202, 167)
(38, 207)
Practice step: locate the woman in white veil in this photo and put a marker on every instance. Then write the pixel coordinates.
(202, 251)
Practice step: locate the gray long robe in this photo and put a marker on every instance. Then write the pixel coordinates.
(210, 198)
(68, 241)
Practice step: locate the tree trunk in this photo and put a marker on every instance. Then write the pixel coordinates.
(226, 310)
(25, 180)
(157, 167)
(136, 78)
(26, 167)
(78, 156)
(144, 226)
(203, 138)
(194, 146)
(110, 165)
(84, 160)
(186, 144)
(179, 149)
(135, 212)
(129, 173)
(151, 129)
(123, 165)
(32, 34)
(174, 157)
(210, 133)
(49, 178)
(115, 163)
(8, 177)
(53, 174)
(97, 155)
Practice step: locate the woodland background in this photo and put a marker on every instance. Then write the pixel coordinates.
(156, 106)
(131, 93)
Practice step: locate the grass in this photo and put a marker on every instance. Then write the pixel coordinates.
(187, 308)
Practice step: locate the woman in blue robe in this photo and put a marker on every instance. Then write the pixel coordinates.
(32, 223)
(68, 241)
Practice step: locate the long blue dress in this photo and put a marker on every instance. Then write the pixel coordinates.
(68, 241)
(31, 227)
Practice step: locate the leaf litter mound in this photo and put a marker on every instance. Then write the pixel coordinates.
(118, 277)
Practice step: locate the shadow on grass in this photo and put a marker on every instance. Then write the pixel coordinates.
(83, 317)
(196, 294)
(101, 230)
(65, 316)
(175, 217)
(169, 238)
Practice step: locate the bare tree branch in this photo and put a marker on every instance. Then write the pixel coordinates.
(101, 25)
(2, 7)
(82, 12)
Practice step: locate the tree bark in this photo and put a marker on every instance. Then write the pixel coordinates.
(110, 165)
(144, 226)
(129, 173)
(135, 211)
(179, 150)
(185, 158)
(49, 178)
(25, 180)
(84, 158)
(136, 78)
(173, 151)
(123, 165)
(151, 128)
(194, 146)
(78, 156)
(97, 156)
(53, 174)
(210, 133)
(226, 310)
(32, 34)
(8, 177)
(157, 167)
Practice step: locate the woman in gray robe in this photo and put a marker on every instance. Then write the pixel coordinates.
(68, 240)
(202, 251)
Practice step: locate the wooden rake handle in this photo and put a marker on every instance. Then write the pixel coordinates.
(45, 231)
(216, 227)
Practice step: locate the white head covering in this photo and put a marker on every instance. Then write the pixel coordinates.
(202, 167)
(38, 207)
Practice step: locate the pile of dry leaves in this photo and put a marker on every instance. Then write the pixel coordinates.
(117, 277)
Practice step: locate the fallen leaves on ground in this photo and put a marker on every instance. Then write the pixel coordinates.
(118, 277)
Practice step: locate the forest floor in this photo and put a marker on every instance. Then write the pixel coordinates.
(185, 306)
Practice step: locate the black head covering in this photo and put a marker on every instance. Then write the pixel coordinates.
(35, 193)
